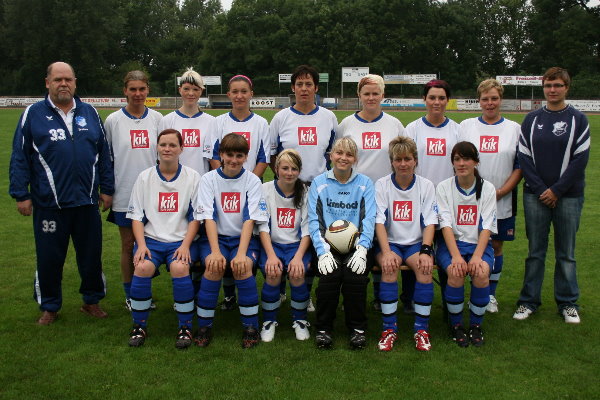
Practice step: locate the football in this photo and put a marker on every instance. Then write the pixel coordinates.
(341, 236)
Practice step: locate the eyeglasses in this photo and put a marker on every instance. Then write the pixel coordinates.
(554, 85)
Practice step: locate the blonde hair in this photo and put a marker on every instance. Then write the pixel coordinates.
(490, 84)
(401, 145)
(345, 144)
(192, 77)
(291, 156)
(371, 79)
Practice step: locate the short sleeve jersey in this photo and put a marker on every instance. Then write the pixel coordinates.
(461, 211)
(311, 134)
(195, 132)
(133, 144)
(434, 146)
(405, 212)
(167, 205)
(497, 145)
(372, 139)
(231, 201)
(287, 224)
(255, 129)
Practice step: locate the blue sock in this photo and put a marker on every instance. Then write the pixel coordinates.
(388, 295)
(183, 294)
(376, 275)
(423, 299)
(207, 301)
(455, 299)
(248, 301)
(299, 302)
(270, 302)
(141, 298)
(480, 297)
(496, 272)
(228, 287)
(127, 289)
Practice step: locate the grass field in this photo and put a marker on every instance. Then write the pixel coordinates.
(81, 358)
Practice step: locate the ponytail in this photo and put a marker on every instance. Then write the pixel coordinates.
(299, 190)
(478, 184)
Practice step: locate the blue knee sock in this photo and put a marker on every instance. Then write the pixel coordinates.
(248, 301)
(228, 287)
(480, 297)
(376, 275)
(299, 302)
(127, 289)
(141, 299)
(207, 301)
(495, 274)
(388, 295)
(423, 299)
(455, 299)
(270, 302)
(183, 294)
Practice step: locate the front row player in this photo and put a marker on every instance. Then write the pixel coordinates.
(229, 203)
(163, 195)
(343, 194)
(467, 215)
(285, 242)
(405, 226)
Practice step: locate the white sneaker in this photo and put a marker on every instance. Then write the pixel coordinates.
(282, 297)
(267, 334)
(311, 306)
(522, 312)
(301, 328)
(492, 305)
(571, 315)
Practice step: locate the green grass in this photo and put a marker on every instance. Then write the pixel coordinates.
(81, 358)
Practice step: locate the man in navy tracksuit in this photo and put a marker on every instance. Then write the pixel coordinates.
(60, 157)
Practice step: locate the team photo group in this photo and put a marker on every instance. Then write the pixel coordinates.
(365, 199)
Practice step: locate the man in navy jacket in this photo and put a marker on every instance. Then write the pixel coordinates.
(60, 158)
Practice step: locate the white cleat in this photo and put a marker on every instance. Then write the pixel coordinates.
(571, 315)
(301, 328)
(522, 312)
(267, 334)
(492, 305)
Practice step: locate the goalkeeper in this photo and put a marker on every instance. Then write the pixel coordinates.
(342, 194)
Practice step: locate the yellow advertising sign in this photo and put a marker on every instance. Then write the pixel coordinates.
(452, 105)
(152, 102)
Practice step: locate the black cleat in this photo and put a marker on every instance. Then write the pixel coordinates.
(324, 340)
(250, 337)
(203, 336)
(476, 335)
(228, 303)
(459, 336)
(358, 339)
(184, 338)
(137, 336)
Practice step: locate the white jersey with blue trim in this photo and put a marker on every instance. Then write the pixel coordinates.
(195, 131)
(167, 205)
(372, 139)
(405, 212)
(311, 134)
(497, 145)
(133, 144)
(434, 146)
(461, 211)
(231, 201)
(287, 224)
(255, 129)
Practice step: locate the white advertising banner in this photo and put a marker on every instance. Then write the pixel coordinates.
(585, 105)
(519, 80)
(106, 101)
(212, 80)
(415, 79)
(285, 78)
(354, 74)
(19, 101)
(417, 103)
(473, 105)
(262, 103)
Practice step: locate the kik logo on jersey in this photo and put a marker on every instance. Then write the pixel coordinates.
(139, 139)
(371, 140)
(489, 144)
(436, 146)
(307, 136)
(286, 217)
(403, 211)
(230, 202)
(168, 202)
(245, 135)
(191, 137)
(467, 215)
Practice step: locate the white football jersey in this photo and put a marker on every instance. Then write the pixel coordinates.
(311, 134)
(405, 213)
(373, 139)
(231, 201)
(434, 146)
(287, 224)
(461, 211)
(166, 204)
(133, 144)
(497, 146)
(255, 129)
(195, 132)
